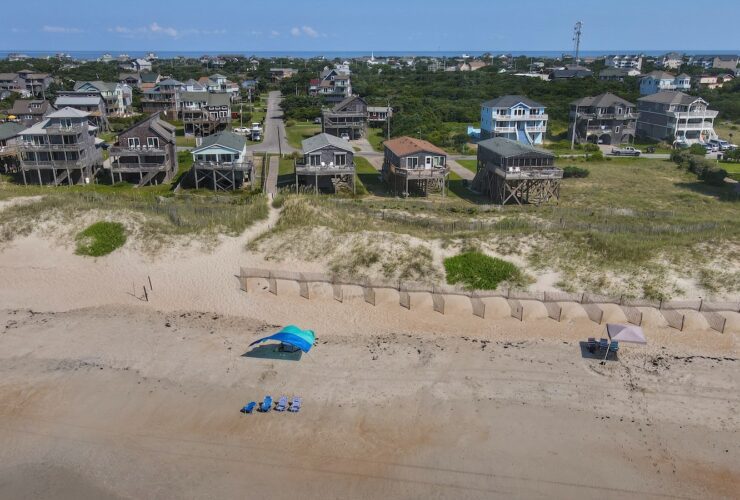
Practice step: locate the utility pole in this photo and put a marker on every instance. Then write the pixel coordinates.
(577, 39)
(573, 136)
(388, 121)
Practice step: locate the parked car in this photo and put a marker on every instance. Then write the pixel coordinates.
(720, 144)
(241, 130)
(344, 136)
(626, 151)
(710, 148)
(317, 121)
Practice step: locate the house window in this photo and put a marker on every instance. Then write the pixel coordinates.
(412, 162)
(222, 114)
(314, 160)
(519, 112)
(616, 130)
(439, 161)
(340, 159)
(152, 142)
(133, 142)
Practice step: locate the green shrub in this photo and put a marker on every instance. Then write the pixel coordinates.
(100, 239)
(477, 271)
(591, 148)
(290, 123)
(575, 172)
(697, 149)
(278, 201)
(714, 176)
(595, 156)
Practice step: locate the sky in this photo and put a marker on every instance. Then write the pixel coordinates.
(375, 25)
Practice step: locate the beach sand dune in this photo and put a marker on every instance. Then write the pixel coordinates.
(127, 402)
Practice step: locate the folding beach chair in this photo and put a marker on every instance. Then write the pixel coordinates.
(249, 407)
(591, 345)
(282, 404)
(266, 404)
(614, 346)
(603, 344)
(295, 405)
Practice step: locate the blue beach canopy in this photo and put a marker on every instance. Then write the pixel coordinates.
(292, 335)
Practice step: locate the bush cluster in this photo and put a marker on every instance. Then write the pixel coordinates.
(477, 271)
(575, 172)
(704, 170)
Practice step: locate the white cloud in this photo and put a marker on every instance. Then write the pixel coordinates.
(307, 31)
(274, 33)
(156, 28)
(60, 29)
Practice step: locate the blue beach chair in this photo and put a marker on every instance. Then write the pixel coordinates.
(282, 404)
(266, 404)
(249, 407)
(591, 345)
(295, 405)
(614, 346)
(603, 344)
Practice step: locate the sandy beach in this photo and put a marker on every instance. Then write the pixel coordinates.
(106, 395)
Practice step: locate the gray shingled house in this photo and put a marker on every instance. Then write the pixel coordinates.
(512, 172)
(145, 153)
(327, 163)
(603, 119)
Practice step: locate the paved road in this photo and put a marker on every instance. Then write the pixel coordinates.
(274, 129)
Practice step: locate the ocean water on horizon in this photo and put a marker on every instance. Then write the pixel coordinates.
(168, 54)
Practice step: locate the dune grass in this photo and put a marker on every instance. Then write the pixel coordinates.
(100, 239)
(476, 271)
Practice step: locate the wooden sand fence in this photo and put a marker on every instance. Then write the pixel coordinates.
(592, 304)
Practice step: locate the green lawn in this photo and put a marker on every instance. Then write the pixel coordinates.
(375, 137)
(188, 142)
(471, 165)
(298, 132)
(368, 179)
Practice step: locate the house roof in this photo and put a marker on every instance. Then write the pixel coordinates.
(169, 82)
(226, 139)
(216, 76)
(403, 146)
(378, 109)
(508, 148)
(8, 76)
(507, 101)
(571, 73)
(615, 72)
(670, 97)
(68, 112)
(148, 77)
(99, 85)
(323, 140)
(23, 106)
(163, 129)
(70, 100)
(9, 130)
(126, 76)
(346, 101)
(602, 101)
(660, 75)
(209, 98)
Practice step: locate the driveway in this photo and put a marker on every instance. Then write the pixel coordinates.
(274, 140)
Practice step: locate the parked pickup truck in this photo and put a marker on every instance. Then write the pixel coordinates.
(626, 151)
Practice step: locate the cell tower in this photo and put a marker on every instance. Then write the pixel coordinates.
(577, 39)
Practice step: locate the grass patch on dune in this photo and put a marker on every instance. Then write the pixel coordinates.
(477, 271)
(100, 239)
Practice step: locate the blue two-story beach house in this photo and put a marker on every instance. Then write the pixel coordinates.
(514, 117)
